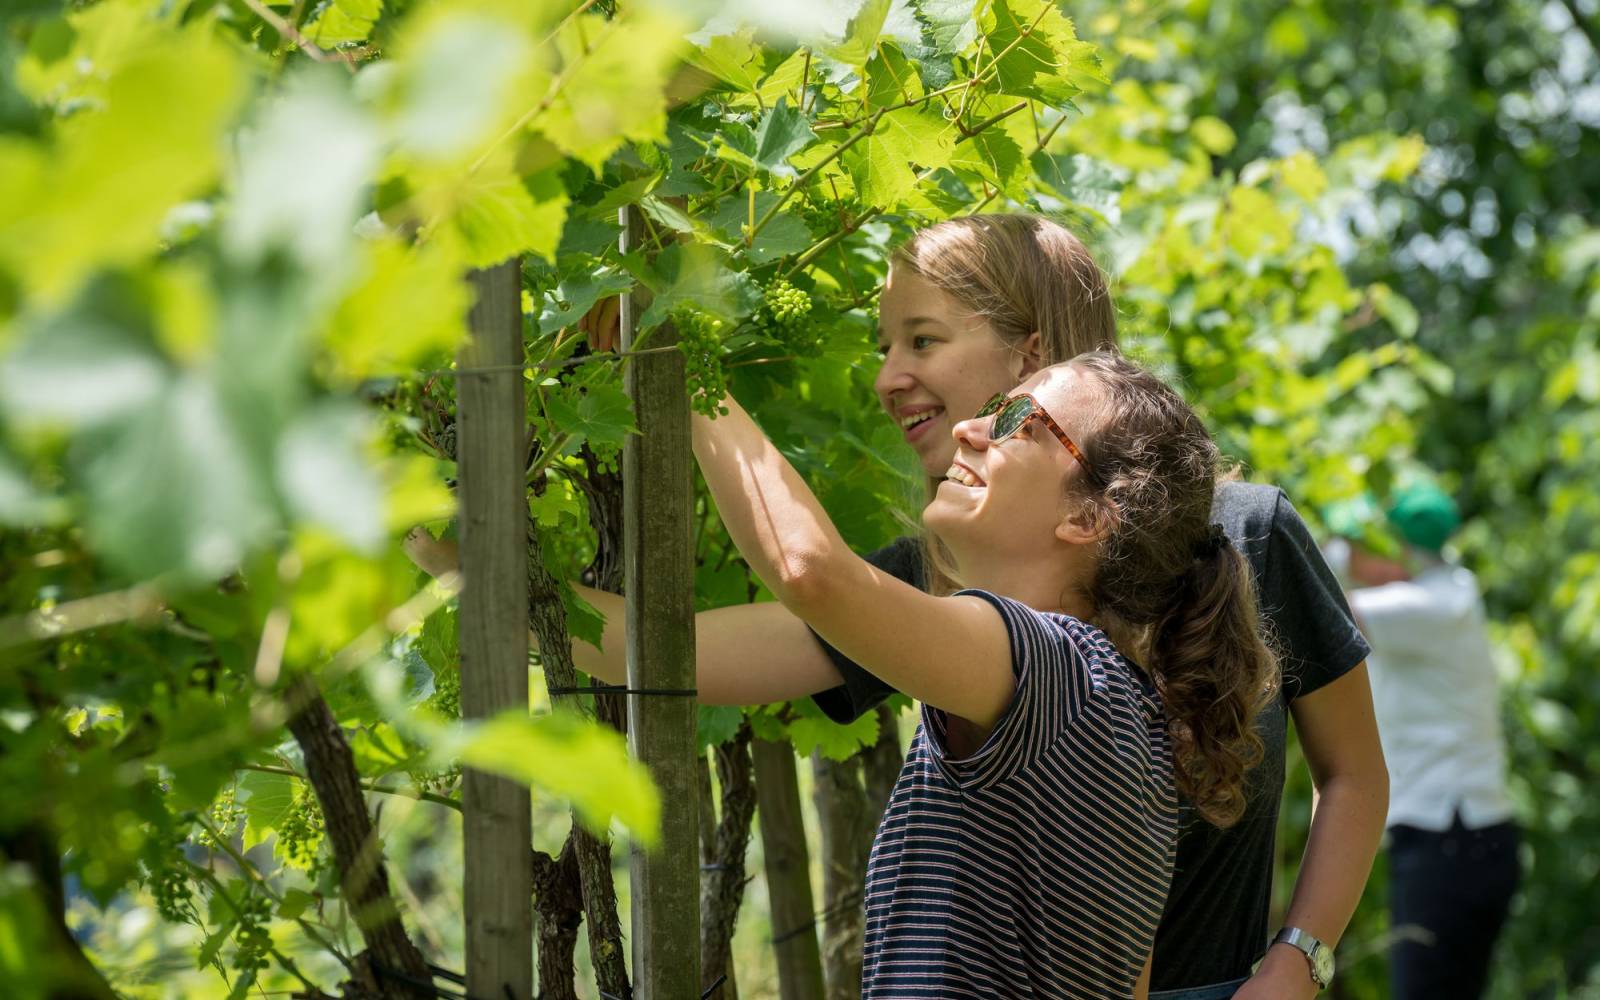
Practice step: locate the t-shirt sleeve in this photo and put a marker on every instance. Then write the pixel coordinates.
(1316, 637)
(862, 691)
(1054, 680)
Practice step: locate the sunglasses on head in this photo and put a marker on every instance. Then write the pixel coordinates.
(1012, 413)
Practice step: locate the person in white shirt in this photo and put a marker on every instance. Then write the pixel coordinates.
(1452, 845)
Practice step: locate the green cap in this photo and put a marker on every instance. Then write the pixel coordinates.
(1424, 515)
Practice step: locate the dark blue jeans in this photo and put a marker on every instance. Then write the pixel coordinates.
(1448, 896)
(1220, 991)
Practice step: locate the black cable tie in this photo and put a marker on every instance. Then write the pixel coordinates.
(440, 972)
(624, 689)
(704, 996)
(778, 939)
(720, 866)
(848, 902)
(426, 986)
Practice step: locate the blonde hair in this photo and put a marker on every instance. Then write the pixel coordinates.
(1022, 274)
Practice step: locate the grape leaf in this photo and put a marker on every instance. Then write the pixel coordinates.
(717, 725)
(601, 414)
(266, 799)
(733, 59)
(948, 25)
(499, 214)
(783, 132)
(407, 307)
(861, 38)
(584, 763)
(343, 21)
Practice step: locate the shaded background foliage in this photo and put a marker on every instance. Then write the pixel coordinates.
(1359, 235)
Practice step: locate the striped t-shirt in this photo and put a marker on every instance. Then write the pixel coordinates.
(1037, 866)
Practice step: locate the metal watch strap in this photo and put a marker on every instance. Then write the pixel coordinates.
(1318, 955)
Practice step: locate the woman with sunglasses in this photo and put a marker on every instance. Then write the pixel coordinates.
(1027, 847)
(971, 307)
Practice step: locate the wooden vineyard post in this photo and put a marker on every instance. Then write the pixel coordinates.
(788, 864)
(658, 581)
(497, 815)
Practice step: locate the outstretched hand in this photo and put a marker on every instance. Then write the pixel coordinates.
(602, 324)
(433, 556)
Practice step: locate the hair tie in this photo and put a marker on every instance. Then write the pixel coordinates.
(1212, 543)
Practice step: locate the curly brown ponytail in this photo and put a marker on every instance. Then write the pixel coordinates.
(1171, 583)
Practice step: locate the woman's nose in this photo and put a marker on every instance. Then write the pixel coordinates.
(893, 377)
(973, 432)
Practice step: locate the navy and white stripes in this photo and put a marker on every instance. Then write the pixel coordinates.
(1037, 866)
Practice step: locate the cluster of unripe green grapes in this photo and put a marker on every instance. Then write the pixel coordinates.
(169, 883)
(446, 697)
(785, 315)
(700, 340)
(300, 831)
(225, 816)
(251, 936)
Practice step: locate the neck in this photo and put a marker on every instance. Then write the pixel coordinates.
(1051, 582)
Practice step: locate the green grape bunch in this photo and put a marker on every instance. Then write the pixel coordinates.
(700, 340)
(786, 315)
(446, 697)
(251, 937)
(168, 882)
(300, 831)
(226, 816)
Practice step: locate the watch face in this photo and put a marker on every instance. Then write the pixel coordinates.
(1322, 964)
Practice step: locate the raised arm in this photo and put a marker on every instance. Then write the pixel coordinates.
(951, 652)
(746, 654)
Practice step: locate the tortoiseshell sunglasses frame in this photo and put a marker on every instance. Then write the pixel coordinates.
(1000, 402)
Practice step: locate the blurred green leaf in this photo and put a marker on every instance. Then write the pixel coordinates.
(581, 762)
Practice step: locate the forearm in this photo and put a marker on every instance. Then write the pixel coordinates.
(1346, 825)
(790, 663)
(770, 513)
(438, 557)
(1346, 822)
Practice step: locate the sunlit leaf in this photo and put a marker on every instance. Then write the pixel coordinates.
(581, 762)
(612, 87)
(324, 469)
(173, 487)
(408, 306)
(301, 174)
(343, 21)
(100, 193)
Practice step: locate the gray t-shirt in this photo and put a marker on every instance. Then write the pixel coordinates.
(1214, 927)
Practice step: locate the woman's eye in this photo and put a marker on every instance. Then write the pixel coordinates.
(919, 343)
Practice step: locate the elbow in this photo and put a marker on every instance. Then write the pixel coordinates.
(807, 583)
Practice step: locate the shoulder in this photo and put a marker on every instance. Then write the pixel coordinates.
(1250, 511)
(1258, 519)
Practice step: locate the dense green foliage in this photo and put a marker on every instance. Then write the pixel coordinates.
(231, 289)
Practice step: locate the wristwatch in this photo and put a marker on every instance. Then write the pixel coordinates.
(1318, 954)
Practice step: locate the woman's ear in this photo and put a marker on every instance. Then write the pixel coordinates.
(1026, 356)
(1084, 521)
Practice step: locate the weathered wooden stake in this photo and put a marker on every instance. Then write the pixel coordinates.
(658, 580)
(497, 816)
(788, 861)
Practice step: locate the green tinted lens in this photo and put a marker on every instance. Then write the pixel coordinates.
(1010, 417)
(992, 405)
